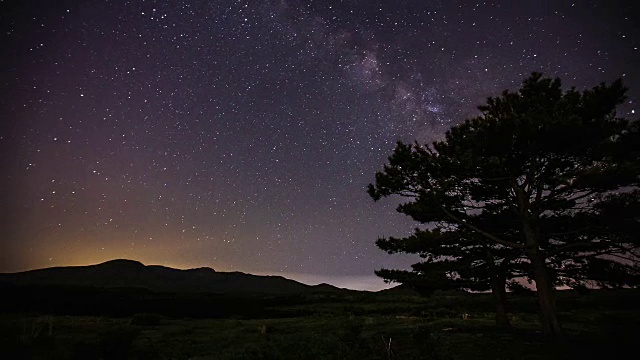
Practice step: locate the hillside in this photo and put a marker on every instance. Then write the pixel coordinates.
(133, 274)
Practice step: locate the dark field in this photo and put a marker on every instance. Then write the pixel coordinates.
(90, 323)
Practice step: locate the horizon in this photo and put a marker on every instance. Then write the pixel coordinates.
(351, 282)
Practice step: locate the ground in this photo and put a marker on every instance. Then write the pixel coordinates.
(603, 324)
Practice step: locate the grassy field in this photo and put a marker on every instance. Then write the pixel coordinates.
(367, 326)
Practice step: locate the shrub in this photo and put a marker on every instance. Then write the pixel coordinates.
(146, 319)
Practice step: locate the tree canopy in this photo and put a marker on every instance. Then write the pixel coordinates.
(544, 174)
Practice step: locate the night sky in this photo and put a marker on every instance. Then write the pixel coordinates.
(241, 135)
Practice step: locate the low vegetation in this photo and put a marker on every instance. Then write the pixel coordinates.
(450, 325)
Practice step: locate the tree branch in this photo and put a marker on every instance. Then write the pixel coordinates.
(482, 232)
(570, 232)
(569, 246)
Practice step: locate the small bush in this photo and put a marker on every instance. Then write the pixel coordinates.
(116, 343)
(426, 342)
(146, 319)
(443, 312)
(620, 326)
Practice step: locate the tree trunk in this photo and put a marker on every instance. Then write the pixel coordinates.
(545, 292)
(500, 295)
(544, 284)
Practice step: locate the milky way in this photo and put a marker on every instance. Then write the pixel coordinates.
(241, 135)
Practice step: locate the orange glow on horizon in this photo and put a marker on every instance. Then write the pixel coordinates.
(87, 251)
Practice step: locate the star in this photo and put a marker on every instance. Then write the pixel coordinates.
(241, 135)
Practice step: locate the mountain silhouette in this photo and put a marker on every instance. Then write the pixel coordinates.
(122, 273)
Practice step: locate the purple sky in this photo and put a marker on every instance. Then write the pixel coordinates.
(240, 135)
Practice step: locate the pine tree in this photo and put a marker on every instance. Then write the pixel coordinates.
(540, 174)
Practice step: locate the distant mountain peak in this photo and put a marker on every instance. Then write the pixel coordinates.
(325, 286)
(203, 270)
(122, 263)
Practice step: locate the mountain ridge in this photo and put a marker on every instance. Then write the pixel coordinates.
(134, 274)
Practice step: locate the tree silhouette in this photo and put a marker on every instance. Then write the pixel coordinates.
(454, 259)
(542, 174)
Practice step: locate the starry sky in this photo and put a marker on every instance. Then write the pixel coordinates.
(241, 135)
